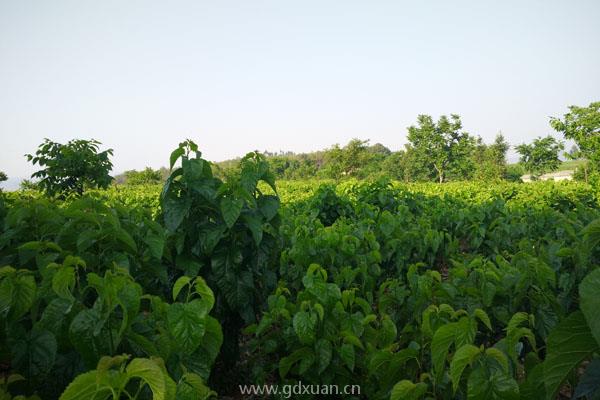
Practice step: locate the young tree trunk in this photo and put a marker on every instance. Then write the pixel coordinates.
(440, 173)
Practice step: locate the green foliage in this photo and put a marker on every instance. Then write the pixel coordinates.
(582, 125)
(225, 229)
(541, 156)
(72, 167)
(148, 176)
(86, 284)
(443, 146)
(459, 291)
(114, 378)
(490, 160)
(3, 177)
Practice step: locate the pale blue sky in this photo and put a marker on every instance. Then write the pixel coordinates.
(279, 75)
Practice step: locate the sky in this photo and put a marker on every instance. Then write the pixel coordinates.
(237, 76)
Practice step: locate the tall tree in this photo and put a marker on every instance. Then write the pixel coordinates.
(444, 146)
(148, 176)
(582, 125)
(347, 161)
(541, 156)
(490, 160)
(71, 167)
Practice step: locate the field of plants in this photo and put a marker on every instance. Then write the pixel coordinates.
(411, 291)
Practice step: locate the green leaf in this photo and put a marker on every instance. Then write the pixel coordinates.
(178, 152)
(589, 294)
(304, 325)
(268, 205)
(498, 386)
(499, 356)
(533, 387)
(568, 345)
(286, 363)
(205, 292)
(54, 316)
(107, 362)
(212, 339)
(231, 209)
(63, 282)
(186, 324)
(347, 355)
(175, 210)
(84, 339)
(149, 372)
(192, 169)
(464, 356)
(125, 238)
(34, 352)
(406, 390)
(440, 345)
(17, 294)
(192, 387)
(156, 244)
(483, 317)
(255, 225)
(352, 339)
(180, 283)
(84, 387)
(387, 333)
(323, 349)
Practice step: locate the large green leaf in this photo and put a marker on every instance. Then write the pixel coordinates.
(463, 357)
(323, 349)
(17, 293)
(150, 373)
(533, 387)
(440, 345)
(568, 345)
(192, 387)
(254, 223)
(589, 295)
(156, 244)
(179, 284)
(347, 355)
(497, 386)
(406, 390)
(231, 209)
(175, 209)
(268, 205)
(186, 324)
(34, 352)
(205, 292)
(178, 152)
(84, 387)
(387, 333)
(305, 324)
(286, 363)
(63, 282)
(89, 336)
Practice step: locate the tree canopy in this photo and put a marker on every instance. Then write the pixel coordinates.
(72, 167)
(541, 156)
(444, 146)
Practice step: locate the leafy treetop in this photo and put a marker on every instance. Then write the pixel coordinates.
(443, 144)
(582, 125)
(541, 156)
(72, 167)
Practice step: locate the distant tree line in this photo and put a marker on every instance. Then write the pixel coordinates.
(441, 151)
(437, 151)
